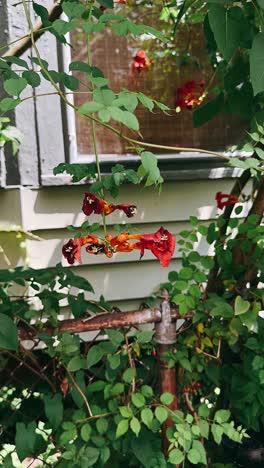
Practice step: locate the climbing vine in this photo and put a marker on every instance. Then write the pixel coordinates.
(97, 402)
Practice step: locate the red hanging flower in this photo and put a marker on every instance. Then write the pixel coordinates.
(72, 251)
(224, 199)
(161, 243)
(140, 62)
(191, 94)
(92, 204)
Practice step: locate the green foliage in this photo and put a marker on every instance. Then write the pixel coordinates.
(99, 404)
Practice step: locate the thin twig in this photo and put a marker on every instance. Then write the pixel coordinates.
(79, 390)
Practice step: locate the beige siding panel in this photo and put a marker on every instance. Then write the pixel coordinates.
(57, 207)
(10, 208)
(120, 282)
(12, 255)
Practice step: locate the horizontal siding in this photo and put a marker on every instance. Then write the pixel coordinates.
(123, 280)
(57, 207)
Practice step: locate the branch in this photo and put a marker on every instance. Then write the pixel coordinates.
(104, 321)
(23, 44)
(213, 281)
(244, 258)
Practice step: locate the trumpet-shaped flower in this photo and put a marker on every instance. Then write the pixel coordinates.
(224, 199)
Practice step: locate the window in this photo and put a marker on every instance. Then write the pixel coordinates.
(173, 65)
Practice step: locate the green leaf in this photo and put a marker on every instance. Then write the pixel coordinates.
(186, 273)
(115, 336)
(73, 9)
(135, 426)
(91, 456)
(204, 428)
(257, 64)
(197, 445)
(8, 333)
(261, 3)
(222, 416)
(130, 121)
(122, 428)
(194, 456)
(102, 425)
(217, 432)
(42, 12)
(94, 355)
(128, 375)
(104, 96)
(16, 60)
(86, 432)
(259, 151)
(63, 27)
(147, 417)
(25, 439)
(161, 414)
(15, 86)
(90, 107)
(176, 457)
(54, 409)
(80, 66)
(76, 363)
(138, 400)
(126, 411)
(146, 101)
(205, 113)
(227, 25)
(166, 398)
(241, 306)
(145, 336)
(32, 78)
(114, 361)
(7, 104)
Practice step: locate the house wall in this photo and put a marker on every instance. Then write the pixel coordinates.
(123, 280)
(32, 199)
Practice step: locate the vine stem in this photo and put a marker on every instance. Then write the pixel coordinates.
(109, 127)
(79, 390)
(89, 61)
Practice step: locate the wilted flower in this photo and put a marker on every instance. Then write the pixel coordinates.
(93, 204)
(224, 199)
(190, 95)
(140, 62)
(72, 251)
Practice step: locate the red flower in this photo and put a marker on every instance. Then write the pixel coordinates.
(72, 251)
(92, 204)
(229, 200)
(140, 61)
(161, 243)
(129, 209)
(191, 94)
